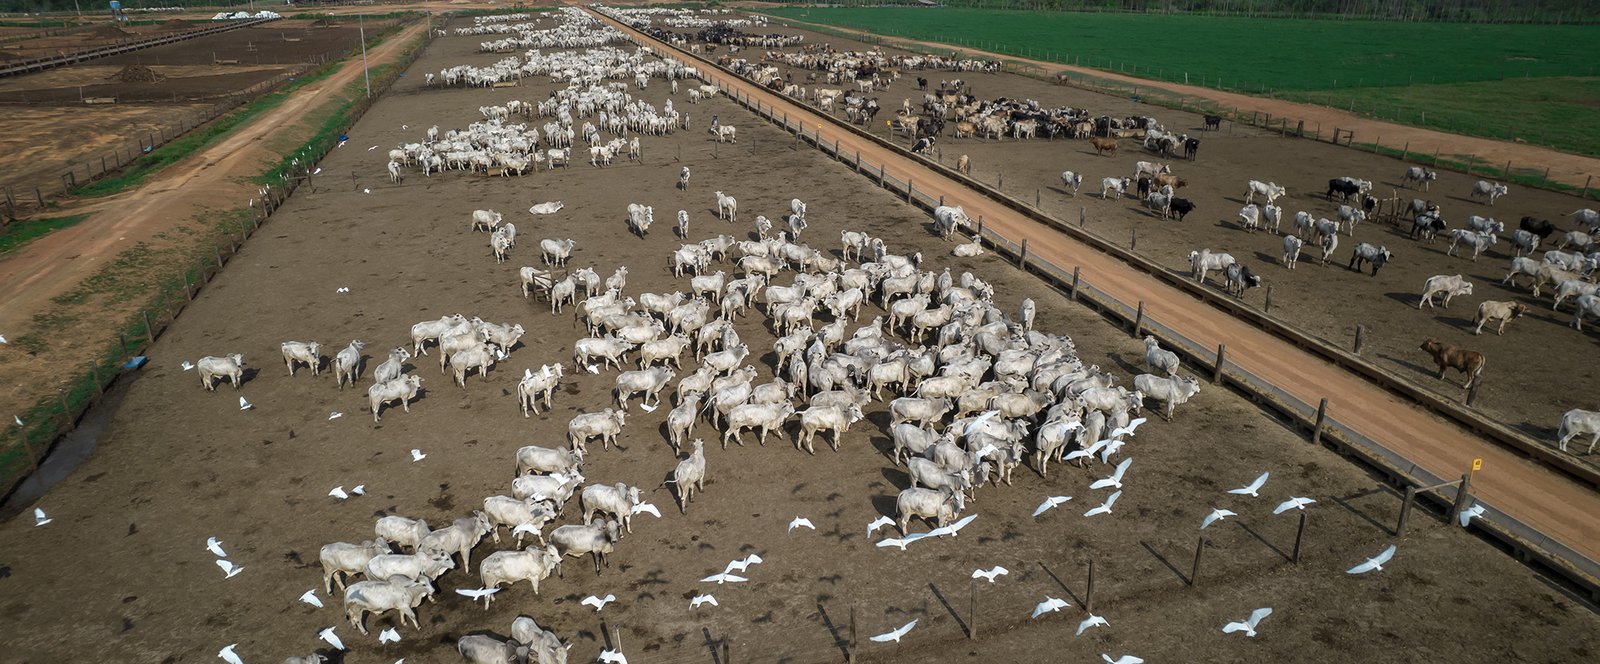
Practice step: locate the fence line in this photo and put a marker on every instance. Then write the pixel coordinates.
(54, 418)
(41, 64)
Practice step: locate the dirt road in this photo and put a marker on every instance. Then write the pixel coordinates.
(1565, 168)
(1548, 502)
(215, 178)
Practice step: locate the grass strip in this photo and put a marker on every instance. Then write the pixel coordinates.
(18, 234)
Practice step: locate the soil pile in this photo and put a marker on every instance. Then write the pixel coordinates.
(177, 24)
(106, 32)
(136, 74)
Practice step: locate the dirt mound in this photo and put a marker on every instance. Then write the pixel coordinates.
(136, 74)
(105, 32)
(324, 22)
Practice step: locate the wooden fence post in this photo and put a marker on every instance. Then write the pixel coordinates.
(1194, 571)
(1405, 511)
(1088, 593)
(1266, 307)
(1361, 337)
(94, 370)
(1463, 494)
(1138, 320)
(1299, 534)
(149, 331)
(1022, 256)
(1322, 416)
(1077, 271)
(1222, 350)
(66, 411)
(1133, 239)
(1083, 217)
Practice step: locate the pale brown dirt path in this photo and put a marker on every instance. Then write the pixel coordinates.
(1565, 168)
(215, 178)
(1542, 499)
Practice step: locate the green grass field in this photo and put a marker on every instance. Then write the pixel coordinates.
(1531, 82)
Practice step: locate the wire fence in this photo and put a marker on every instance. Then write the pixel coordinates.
(24, 447)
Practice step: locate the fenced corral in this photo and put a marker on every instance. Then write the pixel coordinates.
(41, 64)
(24, 447)
(1323, 428)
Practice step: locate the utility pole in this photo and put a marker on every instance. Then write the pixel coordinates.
(362, 18)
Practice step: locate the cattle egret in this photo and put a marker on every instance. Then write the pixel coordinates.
(485, 594)
(1115, 480)
(310, 597)
(319, 170)
(1112, 447)
(1295, 503)
(341, 143)
(417, 455)
(1248, 626)
(642, 508)
(1253, 488)
(742, 565)
(978, 421)
(39, 518)
(1092, 621)
(187, 365)
(882, 521)
(702, 599)
(525, 528)
(338, 492)
(389, 636)
(1125, 659)
(331, 638)
(3, 339)
(985, 451)
(245, 405)
(214, 545)
(597, 602)
(901, 541)
(723, 578)
(953, 528)
(342, 289)
(1467, 514)
(1127, 430)
(335, 415)
(1049, 605)
(613, 657)
(229, 568)
(1374, 563)
(1105, 508)
(895, 635)
(591, 368)
(1086, 453)
(1049, 504)
(800, 522)
(1215, 516)
(368, 150)
(359, 490)
(990, 574)
(647, 407)
(227, 655)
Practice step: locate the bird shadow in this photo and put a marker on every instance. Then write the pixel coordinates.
(1344, 501)
(953, 614)
(1063, 586)
(1164, 561)
(1263, 540)
(833, 631)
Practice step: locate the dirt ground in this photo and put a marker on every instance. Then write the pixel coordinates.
(1326, 301)
(257, 480)
(42, 142)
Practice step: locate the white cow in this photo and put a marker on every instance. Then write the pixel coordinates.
(1204, 260)
(1489, 190)
(1268, 190)
(1449, 285)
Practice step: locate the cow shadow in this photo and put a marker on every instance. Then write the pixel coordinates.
(1403, 297)
(894, 475)
(1271, 259)
(884, 504)
(1426, 371)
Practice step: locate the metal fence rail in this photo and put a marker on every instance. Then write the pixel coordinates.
(41, 64)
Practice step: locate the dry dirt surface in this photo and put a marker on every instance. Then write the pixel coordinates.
(1571, 169)
(42, 142)
(1328, 302)
(179, 464)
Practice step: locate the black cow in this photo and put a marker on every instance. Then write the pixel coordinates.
(1144, 186)
(1369, 204)
(1190, 147)
(1181, 207)
(1540, 227)
(922, 145)
(1344, 188)
(1426, 225)
(1213, 122)
(922, 83)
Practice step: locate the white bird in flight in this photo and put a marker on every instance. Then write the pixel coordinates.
(1115, 480)
(598, 603)
(1105, 508)
(613, 657)
(229, 568)
(977, 422)
(227, 654)
(214, 545)
(800, 522)
(702, 599)
(341, 143)
(389, 636)
(896, 634)
(1119, 432)
(1466, 515)
(742, 565)
(39, 518)
(953, 528)
(244, 404)
(591, 368)
(641, 508)
(1215, 516)
(485, 594)
(338, 492)
(1295, 503)
(1374, 563)
(1125, 659)
(1092, 621)
(310, 597)
(319, 170)
(1049, 504)
(882, 521)
(335, 415)
(901, 541)
(1086, 452)
(1247, 626)
(1253, 488)
(723, 578)
(342, 289)
(417, 455)
(187, 365)
(1049, 605)
(990, 574)
(359, 490)
(368, 150)
(1112, 447)
(525, 528)
(331, 638)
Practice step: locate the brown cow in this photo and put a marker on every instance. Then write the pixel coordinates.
(1164, 179)
(1469, 362)
(1501, 312)
(1104, 145)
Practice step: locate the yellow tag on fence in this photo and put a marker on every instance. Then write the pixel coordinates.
(1477, 465)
